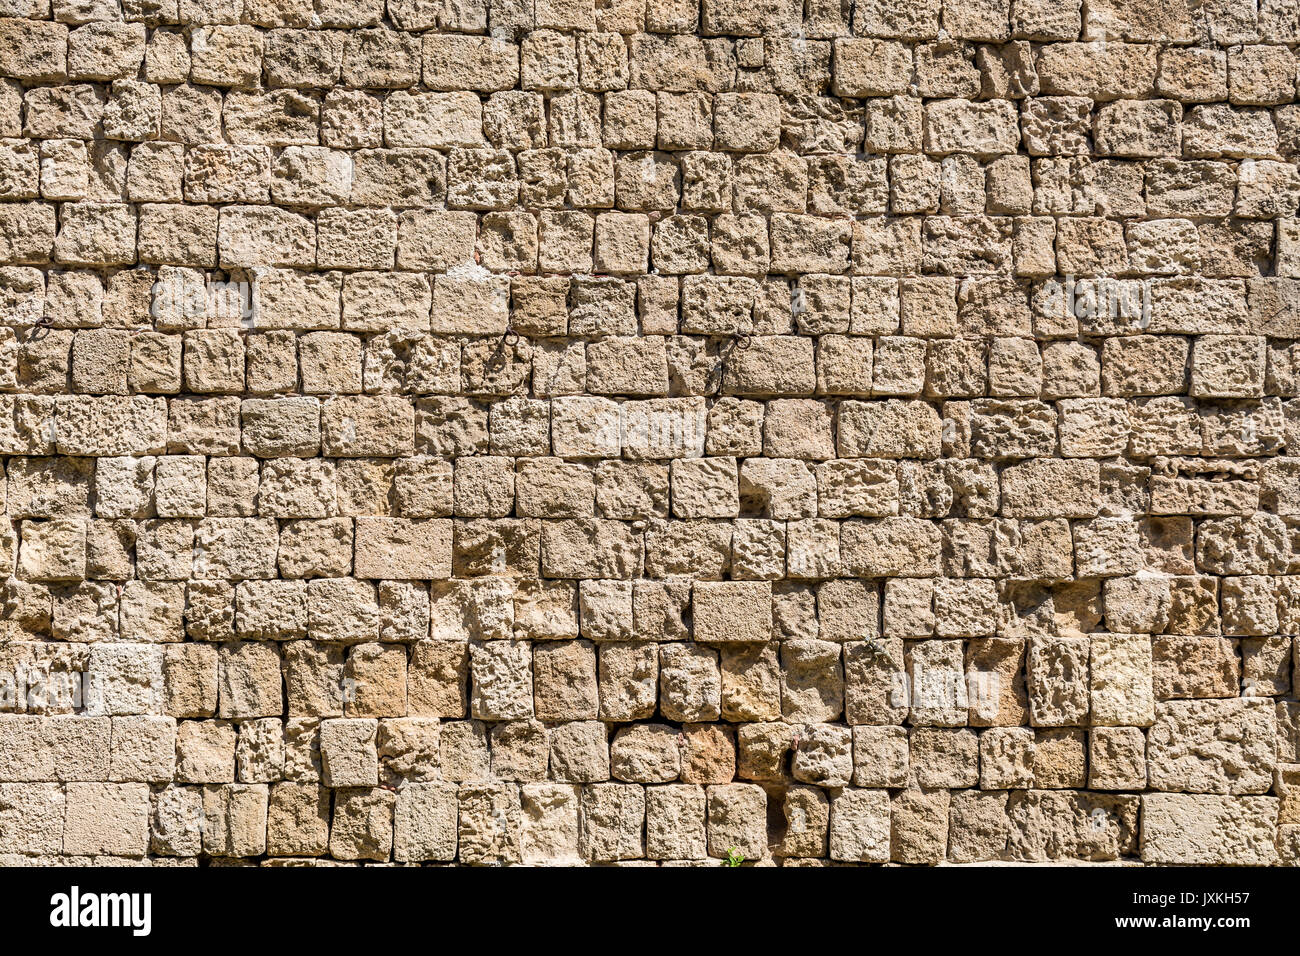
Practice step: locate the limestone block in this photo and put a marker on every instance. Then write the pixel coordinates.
(1208, 830)
(1212, 746)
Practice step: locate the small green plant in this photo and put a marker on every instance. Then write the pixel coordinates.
(735, 857)
(875, 647)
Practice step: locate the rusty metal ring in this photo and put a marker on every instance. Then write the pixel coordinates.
(41, 328)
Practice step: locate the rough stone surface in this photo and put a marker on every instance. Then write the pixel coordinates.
(606, 432)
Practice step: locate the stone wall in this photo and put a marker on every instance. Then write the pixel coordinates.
(690, 430)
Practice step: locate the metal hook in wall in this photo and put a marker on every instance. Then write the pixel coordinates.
(498, 357)
(740, 340)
